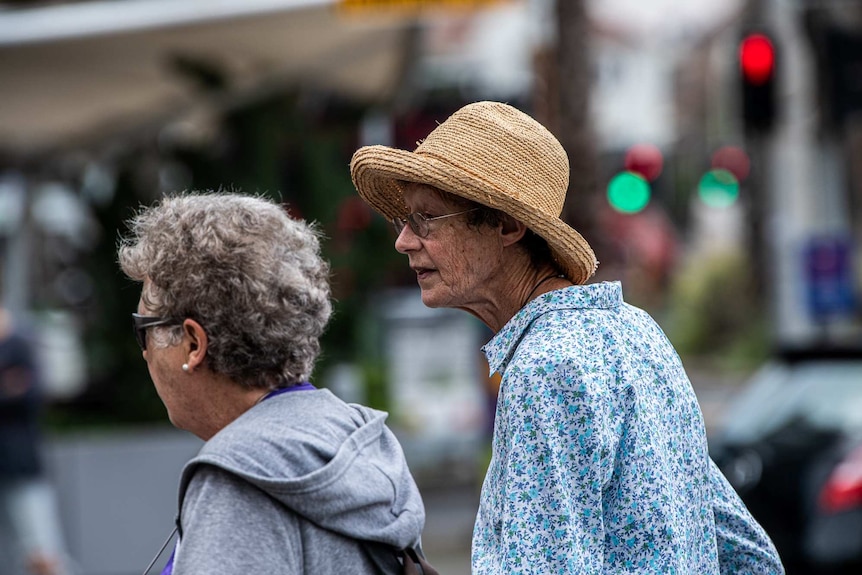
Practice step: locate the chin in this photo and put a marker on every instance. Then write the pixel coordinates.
(173, 421)
(428, 300)
(434, 300)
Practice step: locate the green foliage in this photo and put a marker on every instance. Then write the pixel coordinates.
(118, 388)
(715, 315)
(295, 152)
(376, 386)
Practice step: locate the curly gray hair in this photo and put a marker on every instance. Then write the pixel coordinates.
(248, 273)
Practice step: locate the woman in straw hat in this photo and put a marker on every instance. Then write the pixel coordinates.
(600, 459)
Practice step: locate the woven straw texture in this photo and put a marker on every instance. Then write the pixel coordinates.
(495, 155)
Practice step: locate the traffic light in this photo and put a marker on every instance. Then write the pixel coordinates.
(629, 191)
(757, 68)
(719, 186)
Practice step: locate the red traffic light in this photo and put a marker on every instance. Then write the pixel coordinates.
(757, 58)
(733, 159)
(645, 160)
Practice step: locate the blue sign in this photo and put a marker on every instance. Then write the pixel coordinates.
(829, 276)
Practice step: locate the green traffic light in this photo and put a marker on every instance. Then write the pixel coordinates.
(718, 188)
(628, 192)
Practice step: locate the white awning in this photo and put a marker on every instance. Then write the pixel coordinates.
(74, 72)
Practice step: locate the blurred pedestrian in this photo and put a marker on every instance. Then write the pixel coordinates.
(600, 461)
(30, 535)
(291, 479)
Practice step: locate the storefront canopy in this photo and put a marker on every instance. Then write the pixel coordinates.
(78, 72)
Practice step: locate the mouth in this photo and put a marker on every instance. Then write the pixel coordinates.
(423, 273)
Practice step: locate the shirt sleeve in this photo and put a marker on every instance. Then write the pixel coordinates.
(743, 545)
(230, 527)
(545, 482)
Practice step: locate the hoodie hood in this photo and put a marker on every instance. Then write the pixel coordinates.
(336, 464)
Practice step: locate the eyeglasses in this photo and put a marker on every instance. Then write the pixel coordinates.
(142, 323)
(419, 222)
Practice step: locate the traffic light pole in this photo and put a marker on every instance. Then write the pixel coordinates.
(756, 206)
(805, 188)
(758, 72)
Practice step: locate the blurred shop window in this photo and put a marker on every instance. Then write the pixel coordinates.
(436, 389)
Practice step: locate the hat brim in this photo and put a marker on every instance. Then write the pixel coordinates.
(376, 171)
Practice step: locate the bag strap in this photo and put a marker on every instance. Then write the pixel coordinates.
(415, 564)
(412, 561)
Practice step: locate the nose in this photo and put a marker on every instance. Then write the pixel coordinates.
(407, 241)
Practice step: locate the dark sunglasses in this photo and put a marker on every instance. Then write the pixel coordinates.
(141, 323)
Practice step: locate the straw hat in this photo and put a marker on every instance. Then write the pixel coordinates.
(490, 153)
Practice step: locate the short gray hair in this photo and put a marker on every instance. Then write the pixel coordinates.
(245, 270)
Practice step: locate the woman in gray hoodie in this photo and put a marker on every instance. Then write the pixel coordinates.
(291, 479)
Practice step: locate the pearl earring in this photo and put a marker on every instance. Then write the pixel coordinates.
(186, 367)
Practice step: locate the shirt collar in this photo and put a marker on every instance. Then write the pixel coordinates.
(604, 295)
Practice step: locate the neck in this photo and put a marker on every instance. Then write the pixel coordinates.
(502, 296)
(541, 282)
(264, 394)
(224, 401)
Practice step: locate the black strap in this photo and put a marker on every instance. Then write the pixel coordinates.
(415, 564)
(162, 550)
(412, 563)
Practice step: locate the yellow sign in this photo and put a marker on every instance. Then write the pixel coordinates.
(412, 5)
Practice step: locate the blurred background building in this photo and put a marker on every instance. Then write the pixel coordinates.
(715, 150)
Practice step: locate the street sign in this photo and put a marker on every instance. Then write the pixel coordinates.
(829, 277)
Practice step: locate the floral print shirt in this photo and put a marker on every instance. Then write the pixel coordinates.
(600, 461)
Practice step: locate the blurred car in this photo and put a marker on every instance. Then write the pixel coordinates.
(790, 443)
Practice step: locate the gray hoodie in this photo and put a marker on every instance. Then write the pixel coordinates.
(300, 483)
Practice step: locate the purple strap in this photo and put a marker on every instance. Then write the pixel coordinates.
(304, 386)
(169, 566)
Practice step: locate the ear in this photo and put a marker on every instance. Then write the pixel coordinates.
(194, 343)
(511, 230)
